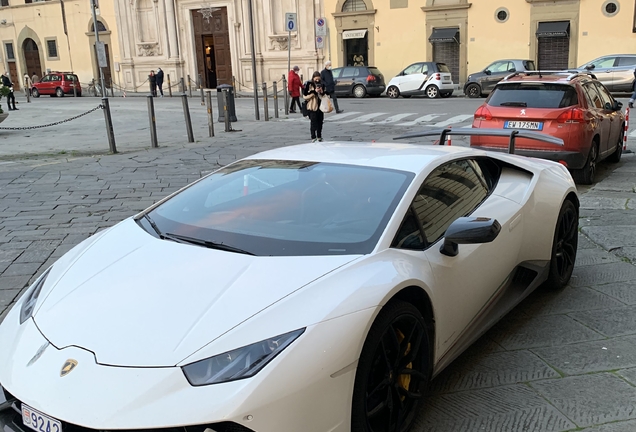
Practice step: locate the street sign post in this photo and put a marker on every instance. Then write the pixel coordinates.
(321, 27)
(101, 54)
(290, 23)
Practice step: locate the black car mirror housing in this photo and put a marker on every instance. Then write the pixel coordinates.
(469, 230)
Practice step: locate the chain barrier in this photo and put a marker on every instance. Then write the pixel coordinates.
(100, 106)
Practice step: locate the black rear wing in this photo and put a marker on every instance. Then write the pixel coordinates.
(511, 134)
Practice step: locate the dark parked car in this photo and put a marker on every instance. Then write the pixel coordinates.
(482, 83)
(358, 81)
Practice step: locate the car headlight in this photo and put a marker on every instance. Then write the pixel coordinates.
(31, 297)
(240, 363)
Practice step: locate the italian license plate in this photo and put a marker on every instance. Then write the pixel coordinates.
(38, 421)
(517, 124)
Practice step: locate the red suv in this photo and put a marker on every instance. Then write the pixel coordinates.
(575, 107)
(57, 83)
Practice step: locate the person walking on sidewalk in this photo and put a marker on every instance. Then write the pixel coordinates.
(152, 79)
(6, 81)
(313, 93)
(330, 85)
(294, 86)
(159, 78)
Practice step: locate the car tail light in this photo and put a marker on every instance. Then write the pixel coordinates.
(483, 113)
(370, 78)
(438, 77)
(574, 115)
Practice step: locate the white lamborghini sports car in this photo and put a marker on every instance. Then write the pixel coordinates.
(317, 287)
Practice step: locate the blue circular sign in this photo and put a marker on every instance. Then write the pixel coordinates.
(321, 22)
(290, 25)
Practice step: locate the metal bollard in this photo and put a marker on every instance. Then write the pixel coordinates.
(200, 83)
(186, 114)
(202, 97)
(74, 90)
(208, 99)
(265, 107)
(275, 90)
(112, 89)
(181, 85)
(189, 86)
(226, 112)
(286, 92)
(153, 123)
(109, 125)
(28, 93)
(234, 82)
(169, 86)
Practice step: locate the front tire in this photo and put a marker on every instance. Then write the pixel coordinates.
(566, 237)
(35, 93)
(393, 92)
(432, 91)
(393, 371)
(586, 174)
(359, 91)
(473, 91)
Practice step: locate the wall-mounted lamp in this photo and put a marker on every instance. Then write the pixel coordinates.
(377, 28)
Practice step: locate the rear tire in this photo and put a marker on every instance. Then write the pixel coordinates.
(432, 91)
(59, 92)
(359, 91)
(586, 174)
(566, 236)
(616, 156)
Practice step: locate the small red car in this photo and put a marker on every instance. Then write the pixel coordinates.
(58, 84)
(575, 107)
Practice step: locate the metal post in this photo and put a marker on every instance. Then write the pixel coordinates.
(275, 90)
(234, 82)
(153, 123)
(101, 73)
(200, 84)
(208, 100)
(288, 50)
(181, 85)
(109, 126)
(202, 97)
(189, 86)
(265, 107)
(74, 89)
(250, 14)
(186, 114)
(112, 89)
(169, 86)
(150, 85)
(226, 112)
(286, 92)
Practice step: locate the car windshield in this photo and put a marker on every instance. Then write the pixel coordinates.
(283, 208)
(533, 95)
(443, 68)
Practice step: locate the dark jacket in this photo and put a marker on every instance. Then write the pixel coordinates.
(6, 81)
(159, 77)
(152, 79)
(327, 78)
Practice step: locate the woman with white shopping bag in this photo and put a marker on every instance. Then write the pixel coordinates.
(313, 93)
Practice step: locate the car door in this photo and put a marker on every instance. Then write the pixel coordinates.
(346, 81)
(603, 68)
(623, 76)
(600, 114)
(336, 78)
(611, 115)
(466, 283)
(412, 78)
(56, 81)
(44, 85)
(495, 73)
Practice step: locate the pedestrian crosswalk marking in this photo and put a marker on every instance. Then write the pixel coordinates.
(363, 118)
(450, 121)
(392, 119)
(341, 115)
(423, 119)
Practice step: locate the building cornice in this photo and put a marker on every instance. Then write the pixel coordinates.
(446, 7)
(356, 13)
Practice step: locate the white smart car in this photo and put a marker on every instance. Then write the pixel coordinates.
(432, 79)
(309, 288)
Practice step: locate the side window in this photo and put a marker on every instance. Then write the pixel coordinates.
(607, 100)
(348, 72)
(605, 62)
(56, 78)
(593, 97)
(425, 70)
(451, 191)
(336, 72)
(501, 66)
(627, 61)
(358, 72)
(413, 69)
(410, 235)
(46, 78)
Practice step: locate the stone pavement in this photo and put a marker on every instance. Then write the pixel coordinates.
(561, 361)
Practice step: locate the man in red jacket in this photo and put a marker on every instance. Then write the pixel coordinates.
(294, 86)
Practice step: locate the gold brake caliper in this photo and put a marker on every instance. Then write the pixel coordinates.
(404, 379)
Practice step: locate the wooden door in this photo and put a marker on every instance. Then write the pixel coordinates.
(13, 75)
(217, 27)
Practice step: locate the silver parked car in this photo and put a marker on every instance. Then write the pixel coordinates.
(616, 71)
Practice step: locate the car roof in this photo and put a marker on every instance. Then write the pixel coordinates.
(547, 77)
(404, 157)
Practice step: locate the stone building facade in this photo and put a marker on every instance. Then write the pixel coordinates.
(211, 40)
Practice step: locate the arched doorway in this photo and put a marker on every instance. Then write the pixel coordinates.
(32, 57)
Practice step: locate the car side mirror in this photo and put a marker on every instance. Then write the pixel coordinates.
(487, 72)
(512, 70)
(469, 230)
(618, 105)
(590, 67)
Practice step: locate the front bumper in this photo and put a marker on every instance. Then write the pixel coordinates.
(307, 387)
(573, 160)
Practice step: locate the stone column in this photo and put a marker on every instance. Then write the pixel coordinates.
(172, 29)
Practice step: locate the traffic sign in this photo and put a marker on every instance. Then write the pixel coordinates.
(290, 22)
(320, 42)
(321, 27)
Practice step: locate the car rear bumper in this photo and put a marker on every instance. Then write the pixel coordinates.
(375, 90)
(571, 159)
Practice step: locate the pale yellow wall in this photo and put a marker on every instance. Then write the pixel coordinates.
(44, 20)
(495, 40)
(605, 35)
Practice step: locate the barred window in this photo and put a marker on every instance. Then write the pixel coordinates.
(10, 54)
(354, 6)
(51, 45)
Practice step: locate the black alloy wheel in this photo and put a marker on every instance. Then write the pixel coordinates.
(393, 371)
(616, 156)
(564, 245)
(473, 91)
(586, 174)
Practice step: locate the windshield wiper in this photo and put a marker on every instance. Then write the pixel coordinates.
(517, 104)
(154, 226)
(205, 243)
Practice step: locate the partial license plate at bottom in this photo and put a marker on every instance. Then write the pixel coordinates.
(38, 421)
(516, 124)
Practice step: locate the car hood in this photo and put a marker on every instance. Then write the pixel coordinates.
(135, 300)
